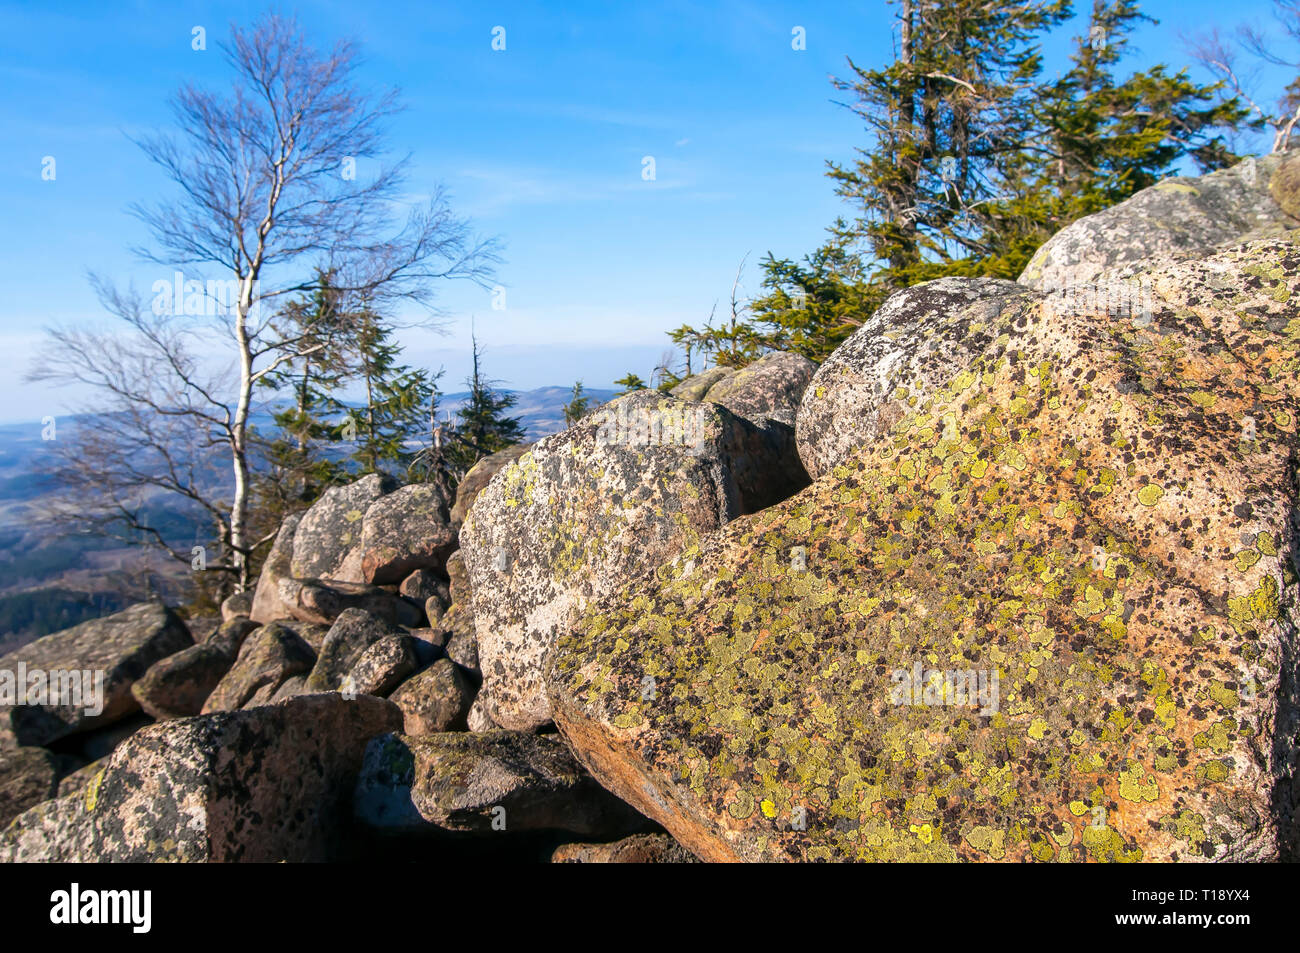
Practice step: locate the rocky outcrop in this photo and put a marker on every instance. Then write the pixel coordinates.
(479, 476)
(270, 655)
(638, 849)
(69, 665)
(768, 389)
(626, 488)
(1179, 217)
(263, 785)
(177, 686)
(327, 542)
(436, 700)
(483, 783)
(1047, 613)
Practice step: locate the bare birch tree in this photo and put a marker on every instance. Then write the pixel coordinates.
(269, 191)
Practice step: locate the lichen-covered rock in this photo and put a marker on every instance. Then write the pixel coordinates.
(479, 475)
(403, 531)
(871, 380)
(177, 686)
(327, 543)
(461, 638)
(262, 785)
(498, 781)
(436, 700)
(122, 647)
(458, 588)
(626, 488)
(27, 776)
(382, 667)
(425, 584)
(268, 604)
(269, 656)
(637, 849)
(768, 389)
(1049, 613)
(478, 718)
(77, 781)
(697, 386)
(311, 600)
(351, 635)
(1175, 218)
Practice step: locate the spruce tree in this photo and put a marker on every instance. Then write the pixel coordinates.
(482, 427)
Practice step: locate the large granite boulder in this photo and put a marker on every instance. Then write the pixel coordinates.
(268, 784)
(497, 781)
(101, 657)
(1048, 613)
(403, 531)
(327, 544)
(1178, 217)
(626, 488)
(383, 666)
(268, 604)
(270, 655)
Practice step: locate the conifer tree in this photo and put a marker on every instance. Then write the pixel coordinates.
(481, 426)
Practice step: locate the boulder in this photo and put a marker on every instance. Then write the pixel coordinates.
(479, 719)
(698, 385)
(637, 849)
(28, 775)
(1048, 614)
(77, 781)
(263, 785)
(270, 656)
(268, 604)
(458, 579)
(177, 686)
(203, 627)
(311, 600)
(1178, 217)
(483, 783)
(438, 699)
(294, 685)
(382, 667)
(872, 380)
(403, 531)
(461, 638)
(626, 488)
(327, 543)
(348, 639)
(120, 647)
(425, 584)
(770, 388)
(479, 475)
(235, 606)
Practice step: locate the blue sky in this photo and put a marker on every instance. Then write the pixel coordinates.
(541, 145)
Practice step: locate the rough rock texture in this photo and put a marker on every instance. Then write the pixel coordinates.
(1176, 218)
(626, 488)
(697, 385)
(478, 718)
(425, 584)
(234, 606)
(327, 543)
(203, 627)
(436, 700)
(382, 667)
(263, 785)
(768, 389)
(269, 656)
(76, 782)
(348, 639)
(871, 381)
(268, 604)
(638, 849)
(463, 782)
(27, 776)
(479, 475)
(123, 646)
(461, 643)
(294, 685)
(311, 600)
(458, 579)
(1100, 511)
(405, 530)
